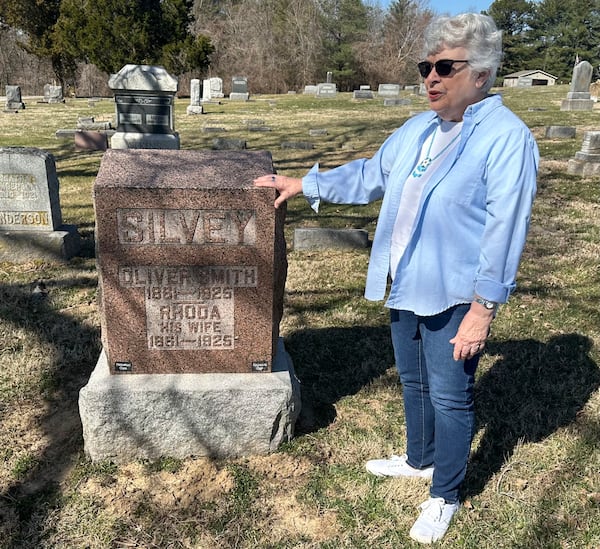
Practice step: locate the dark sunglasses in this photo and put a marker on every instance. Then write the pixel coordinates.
(443, 67)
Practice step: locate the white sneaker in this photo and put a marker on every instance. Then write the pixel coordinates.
(434, 520)
(396, 466)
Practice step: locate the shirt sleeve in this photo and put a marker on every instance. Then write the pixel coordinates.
(511, 186)
(357, 182)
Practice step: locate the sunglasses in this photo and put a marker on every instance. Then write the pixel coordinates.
(443, 67)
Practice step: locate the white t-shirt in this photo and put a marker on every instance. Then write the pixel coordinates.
(435, 148)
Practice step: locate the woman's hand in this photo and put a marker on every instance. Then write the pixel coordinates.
(472, 332)
(288, 187)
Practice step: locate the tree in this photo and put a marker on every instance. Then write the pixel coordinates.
(514, 17)
(36, 19)
(345, 23)
(404, 29)
(113, 33)
(548, 35)
(182, 51)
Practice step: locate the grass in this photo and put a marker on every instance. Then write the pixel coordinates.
(533, 480)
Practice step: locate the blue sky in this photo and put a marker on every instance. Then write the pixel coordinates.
(453, 7)
(459, 6)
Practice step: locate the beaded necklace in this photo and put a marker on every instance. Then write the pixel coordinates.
(422, 166)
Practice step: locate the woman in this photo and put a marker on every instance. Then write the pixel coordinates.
(458, 184)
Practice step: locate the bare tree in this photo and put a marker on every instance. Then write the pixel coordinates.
(18, 67)
(277, 44)
(397, 41)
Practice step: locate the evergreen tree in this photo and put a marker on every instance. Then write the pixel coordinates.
(113, 33)
(346, 24)
(36, 20)
(513, 17)
(564, 30)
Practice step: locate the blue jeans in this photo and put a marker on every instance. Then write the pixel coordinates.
(438, 396)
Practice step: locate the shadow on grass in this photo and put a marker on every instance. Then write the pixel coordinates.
(333, 363)
(529, 393)
(34, 492)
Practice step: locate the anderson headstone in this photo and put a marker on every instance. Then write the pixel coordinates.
(31, 225)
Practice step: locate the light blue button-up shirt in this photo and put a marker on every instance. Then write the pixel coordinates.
(473, 214)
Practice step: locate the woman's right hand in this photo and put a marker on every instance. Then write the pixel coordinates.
(288, 187)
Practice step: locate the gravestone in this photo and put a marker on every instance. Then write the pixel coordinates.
(13, 99)
(144, 99)
(239, 89)
(90, 140)
(396, 102)
(305, 145)
(329, 77)
(187, 234)
(318, 238)
(560, 132)
(388, 90)
(194, 107)
(192, 266)
(53, 94)
(362, 94)
(579, 97)
(212, 88)
(228, 144)
(326, 90)
(310, 89)
(587, 160)
(31, 224)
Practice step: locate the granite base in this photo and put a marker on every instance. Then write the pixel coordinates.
(239, 96)
(134, 140)
(577, 105)
(194, 109)
(149, 416)
(23, 246)
(583, 167)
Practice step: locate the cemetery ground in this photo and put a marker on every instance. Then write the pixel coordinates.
(534, 475)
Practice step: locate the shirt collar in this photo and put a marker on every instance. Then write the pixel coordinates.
(476, 111)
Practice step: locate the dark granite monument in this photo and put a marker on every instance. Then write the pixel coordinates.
(144, 99)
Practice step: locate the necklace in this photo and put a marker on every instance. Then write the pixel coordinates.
(422, 166)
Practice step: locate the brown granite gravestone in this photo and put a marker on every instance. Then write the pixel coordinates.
(191, 259)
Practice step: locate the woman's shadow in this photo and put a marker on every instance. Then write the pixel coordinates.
(534, 389)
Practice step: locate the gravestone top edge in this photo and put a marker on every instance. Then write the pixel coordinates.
(143, 78)
(32, 151)
(183, 169)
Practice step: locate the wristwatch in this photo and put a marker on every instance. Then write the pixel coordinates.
(489, 305)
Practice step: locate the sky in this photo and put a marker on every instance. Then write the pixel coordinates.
(453, 7)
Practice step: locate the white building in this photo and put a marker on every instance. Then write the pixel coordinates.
(529, 78)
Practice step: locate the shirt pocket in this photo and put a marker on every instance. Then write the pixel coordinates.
(464, 183)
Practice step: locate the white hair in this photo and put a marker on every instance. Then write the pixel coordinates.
(476, 33)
